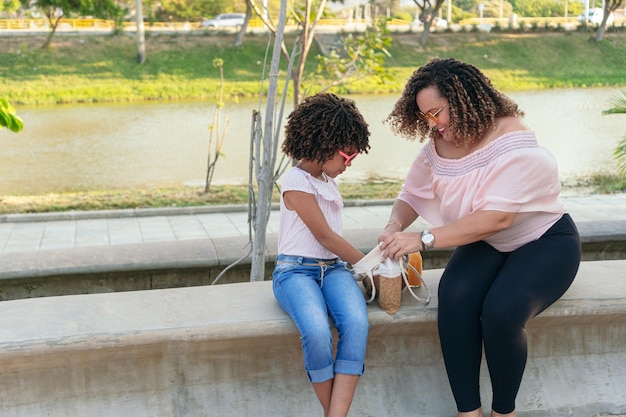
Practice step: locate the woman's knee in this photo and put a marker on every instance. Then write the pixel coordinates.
(504, 316)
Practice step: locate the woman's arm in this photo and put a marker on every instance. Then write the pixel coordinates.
(309, 211)
(472, 228)
(402, 216)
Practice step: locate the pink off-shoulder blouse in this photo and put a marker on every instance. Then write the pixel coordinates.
(512, 174)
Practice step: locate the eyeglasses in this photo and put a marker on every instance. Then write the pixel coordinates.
(347, 157)
(425, 117)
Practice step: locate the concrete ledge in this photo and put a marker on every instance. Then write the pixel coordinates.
(199, 261)
(229, 350)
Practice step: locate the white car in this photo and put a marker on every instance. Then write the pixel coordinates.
(595, 17)
(225, 20)
(439, 24)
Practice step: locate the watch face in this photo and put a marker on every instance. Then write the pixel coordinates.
(428, 238)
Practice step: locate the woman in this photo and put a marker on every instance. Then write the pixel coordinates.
(491, 191)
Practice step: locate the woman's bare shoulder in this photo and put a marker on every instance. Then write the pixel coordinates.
(510, 124)
(504, 125)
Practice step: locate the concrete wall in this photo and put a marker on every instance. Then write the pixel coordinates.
(198, 262)
(229, 350)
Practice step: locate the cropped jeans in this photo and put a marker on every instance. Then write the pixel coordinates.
(311, 290)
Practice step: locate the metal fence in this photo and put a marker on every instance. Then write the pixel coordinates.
(101, 24)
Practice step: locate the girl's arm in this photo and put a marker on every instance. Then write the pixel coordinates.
(309, 211)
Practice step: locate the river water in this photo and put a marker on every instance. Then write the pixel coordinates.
(91, 147)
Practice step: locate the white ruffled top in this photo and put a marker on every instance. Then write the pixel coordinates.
(294, 237)
(512, 174)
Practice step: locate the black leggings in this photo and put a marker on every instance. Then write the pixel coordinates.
(486, 296)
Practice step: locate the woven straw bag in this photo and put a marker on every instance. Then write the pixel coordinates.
(385, 280)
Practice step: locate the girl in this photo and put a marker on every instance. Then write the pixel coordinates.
(311, 280)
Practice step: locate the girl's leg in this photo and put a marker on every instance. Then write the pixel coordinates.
(462, 290)
(297, 290)
(348, 311)
(533, 278)
(324, 391)
(343, 392)
(336, 394)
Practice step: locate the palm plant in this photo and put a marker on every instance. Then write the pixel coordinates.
(619, 107)
(8, 118)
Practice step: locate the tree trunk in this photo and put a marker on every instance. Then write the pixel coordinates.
(54, 25)
(141, 37)
(242, 32)
(264, 172)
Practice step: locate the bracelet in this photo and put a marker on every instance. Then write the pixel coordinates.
(392, 222)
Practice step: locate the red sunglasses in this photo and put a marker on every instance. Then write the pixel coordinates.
(347, 157)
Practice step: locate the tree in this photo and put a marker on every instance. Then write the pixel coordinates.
(538, 8)
(358, 57)
(263, 157)
(141, 36)
(264, 153)
(8, 118)
(55, 10)
(242, 31)
(307, 16)
(190, 10)
(9, 6)
(217, 131)
(609, 7)
(428, 13)
(364, 53)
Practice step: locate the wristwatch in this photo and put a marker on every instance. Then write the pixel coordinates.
(428, 240)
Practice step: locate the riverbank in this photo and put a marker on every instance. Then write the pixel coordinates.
(91, 68)
(189, 196)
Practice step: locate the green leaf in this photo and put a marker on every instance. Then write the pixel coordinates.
(8, 118)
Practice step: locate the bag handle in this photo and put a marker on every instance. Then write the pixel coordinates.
(365, 268)
(362, 277)
(369, 263)
(404, 265)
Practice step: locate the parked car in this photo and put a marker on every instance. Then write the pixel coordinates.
(225, 20)
(595, 17)
(439, 24)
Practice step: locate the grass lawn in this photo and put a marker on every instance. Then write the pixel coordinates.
(84, 69)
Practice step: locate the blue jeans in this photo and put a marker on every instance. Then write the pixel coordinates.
(310, 291)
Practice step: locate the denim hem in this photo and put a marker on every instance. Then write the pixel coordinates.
(321, 375)
(349, 367)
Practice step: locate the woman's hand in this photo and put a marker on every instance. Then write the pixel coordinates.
(398, 244)
(390, 229)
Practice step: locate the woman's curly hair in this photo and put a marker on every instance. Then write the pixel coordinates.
(473, 102)
(322, 125)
